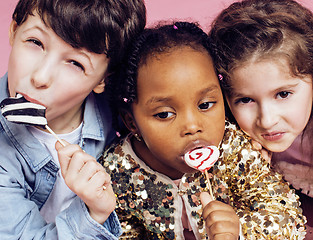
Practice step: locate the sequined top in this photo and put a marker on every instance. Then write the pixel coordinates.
(149, 206)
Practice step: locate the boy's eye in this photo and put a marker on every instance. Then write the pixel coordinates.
(164, 115)
(77, 64)
(244, 100)
(283, 94)
(205, 105)
(35, 41)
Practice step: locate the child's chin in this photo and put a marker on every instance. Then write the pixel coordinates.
(191, 170)
(279, 147)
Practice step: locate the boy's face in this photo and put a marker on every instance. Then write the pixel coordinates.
(180, 107)
(270, 104)
(47, 70)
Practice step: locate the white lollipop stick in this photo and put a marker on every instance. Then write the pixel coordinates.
(56, 136)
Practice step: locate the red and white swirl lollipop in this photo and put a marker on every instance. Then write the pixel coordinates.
(202, 159)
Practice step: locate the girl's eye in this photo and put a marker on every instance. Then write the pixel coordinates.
(283, 94)
(77, 64)
(206, 105)
(164, 115)
(244, 100)
(35, 41)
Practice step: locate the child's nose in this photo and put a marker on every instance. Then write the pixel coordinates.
(41, 76)
(268, 116)
(192, 125)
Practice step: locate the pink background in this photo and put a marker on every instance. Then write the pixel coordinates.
(202, 11)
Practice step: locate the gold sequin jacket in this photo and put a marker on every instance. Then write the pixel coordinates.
(149, 206)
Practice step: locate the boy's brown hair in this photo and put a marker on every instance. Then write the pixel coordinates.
(100, 26)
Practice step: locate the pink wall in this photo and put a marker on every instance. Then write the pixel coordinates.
(202, 11)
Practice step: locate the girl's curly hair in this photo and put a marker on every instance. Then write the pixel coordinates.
(263, 29)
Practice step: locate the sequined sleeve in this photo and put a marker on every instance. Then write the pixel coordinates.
(267, 207)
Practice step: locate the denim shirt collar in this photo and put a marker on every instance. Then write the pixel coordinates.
(31, 149)
(93, 121)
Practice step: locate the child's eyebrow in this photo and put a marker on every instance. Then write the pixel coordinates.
(237, 94)
(84, 53)
(283, 88)
(35, 28)
(211, 89)
(157, 100)
(234, 94)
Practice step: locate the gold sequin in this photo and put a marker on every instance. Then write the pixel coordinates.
(148, 203)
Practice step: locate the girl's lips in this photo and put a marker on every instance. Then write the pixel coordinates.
(273, 136)
(195, 144)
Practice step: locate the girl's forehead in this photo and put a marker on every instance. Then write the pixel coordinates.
(275, 61)
(178, 62)
(188, 71)
(265, 78)
(168, 50)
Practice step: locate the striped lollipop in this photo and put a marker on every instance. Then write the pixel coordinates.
(19, 110)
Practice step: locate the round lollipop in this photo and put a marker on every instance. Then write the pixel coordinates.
(203, 159)
(19, 110)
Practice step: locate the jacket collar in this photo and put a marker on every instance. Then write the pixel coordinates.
(153, 197)
(32, 150)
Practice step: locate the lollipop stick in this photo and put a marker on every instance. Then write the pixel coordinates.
(209, 183)
(56, 136)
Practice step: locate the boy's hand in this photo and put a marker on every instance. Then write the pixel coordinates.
(86, 178)
(221, 221)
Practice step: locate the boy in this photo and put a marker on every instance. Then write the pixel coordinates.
(61, 52)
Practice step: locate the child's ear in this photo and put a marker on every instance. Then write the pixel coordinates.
(129, 121)
(100, 87)
(12, 31)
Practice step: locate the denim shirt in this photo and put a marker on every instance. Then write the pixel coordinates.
(28, 174)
